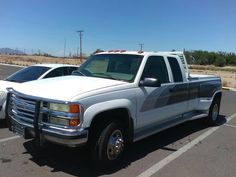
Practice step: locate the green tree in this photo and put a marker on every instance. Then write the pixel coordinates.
(220, 61)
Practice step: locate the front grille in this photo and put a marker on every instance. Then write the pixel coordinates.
(21, 108)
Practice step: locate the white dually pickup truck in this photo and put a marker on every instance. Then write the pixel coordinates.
(113, 99)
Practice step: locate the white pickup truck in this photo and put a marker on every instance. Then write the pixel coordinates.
(113, 99)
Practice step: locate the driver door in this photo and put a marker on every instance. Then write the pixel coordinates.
(154, 103)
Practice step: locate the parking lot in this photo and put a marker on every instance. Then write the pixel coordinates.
(191, 149)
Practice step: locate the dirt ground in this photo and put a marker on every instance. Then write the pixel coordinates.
(30, 60)
(227, 74)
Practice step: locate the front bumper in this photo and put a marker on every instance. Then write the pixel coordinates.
(26, 115)
(66, 137)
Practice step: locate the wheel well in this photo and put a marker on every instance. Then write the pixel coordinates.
(218, 96)
(121, 114)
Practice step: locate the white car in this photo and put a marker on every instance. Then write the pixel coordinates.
(35, 72)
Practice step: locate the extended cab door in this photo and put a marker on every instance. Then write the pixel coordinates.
(157, 105)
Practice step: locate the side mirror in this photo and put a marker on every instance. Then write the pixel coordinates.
(150, 82)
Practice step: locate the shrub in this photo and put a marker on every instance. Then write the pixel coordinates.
(220, 61)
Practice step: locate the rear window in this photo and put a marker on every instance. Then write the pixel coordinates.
(28, 74)
(176, 71)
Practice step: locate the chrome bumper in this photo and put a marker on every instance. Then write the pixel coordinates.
(25, 114)
(66, 137)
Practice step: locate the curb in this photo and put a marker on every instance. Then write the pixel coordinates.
(229, 88)
(6, 64)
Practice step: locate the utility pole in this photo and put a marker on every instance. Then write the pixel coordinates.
(80, 41)
(64, 48)
(141, 47)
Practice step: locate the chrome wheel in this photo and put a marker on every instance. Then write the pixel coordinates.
(215, 112)
(115, 145)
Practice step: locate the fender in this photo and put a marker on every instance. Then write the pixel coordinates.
(205, 103)
(218, 91)
(95, 109)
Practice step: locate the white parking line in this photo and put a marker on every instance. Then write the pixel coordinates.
(158, 166)
(8, 139)
(228, 125)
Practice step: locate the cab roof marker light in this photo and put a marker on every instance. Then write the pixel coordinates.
(117, 51)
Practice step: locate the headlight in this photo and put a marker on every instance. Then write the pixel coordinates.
(64, 121)
(70, 117)
(59, 107)
(71, 108)
(60, 121)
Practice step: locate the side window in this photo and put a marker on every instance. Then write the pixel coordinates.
(71, 69)
(156, 68)
(176, 71)
(55, 73)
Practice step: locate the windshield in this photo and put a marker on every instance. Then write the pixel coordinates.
(28, 74)
(111, 66)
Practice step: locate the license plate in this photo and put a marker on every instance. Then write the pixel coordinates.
(18, 129)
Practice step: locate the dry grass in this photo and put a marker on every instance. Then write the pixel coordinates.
(30, 60)
(228, 74)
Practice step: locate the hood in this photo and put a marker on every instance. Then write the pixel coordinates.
(6, 84)
(64, 88)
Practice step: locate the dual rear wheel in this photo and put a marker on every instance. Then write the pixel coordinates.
(213, 115)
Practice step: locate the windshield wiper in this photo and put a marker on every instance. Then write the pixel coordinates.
(13, 80)
(106, 75)
(75, 72)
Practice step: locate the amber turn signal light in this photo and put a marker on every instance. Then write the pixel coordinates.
(74, 122)
(74, 108)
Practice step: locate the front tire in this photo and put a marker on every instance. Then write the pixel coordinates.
(109, 144)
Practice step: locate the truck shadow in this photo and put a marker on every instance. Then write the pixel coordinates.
(75, 161)
(3, 124)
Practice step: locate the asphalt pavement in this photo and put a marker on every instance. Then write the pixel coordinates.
(6, 70)
(191, 149)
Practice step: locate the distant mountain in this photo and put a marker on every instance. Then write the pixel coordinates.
(8, 51)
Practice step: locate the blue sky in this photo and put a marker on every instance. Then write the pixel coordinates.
(118, 24)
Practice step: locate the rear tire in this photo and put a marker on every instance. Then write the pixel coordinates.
(108, 145)
(213, 115)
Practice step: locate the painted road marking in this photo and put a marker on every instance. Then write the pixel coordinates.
(8, 139)
(228, 125)
(159, 165)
